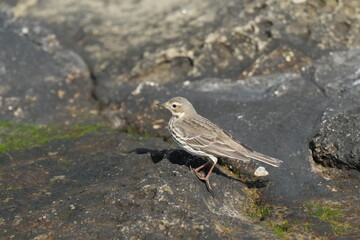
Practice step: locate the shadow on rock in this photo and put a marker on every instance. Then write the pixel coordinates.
(181, 157)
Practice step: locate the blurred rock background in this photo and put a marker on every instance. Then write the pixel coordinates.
(79, 83)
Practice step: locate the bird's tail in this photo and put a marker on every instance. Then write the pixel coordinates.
(265, 159)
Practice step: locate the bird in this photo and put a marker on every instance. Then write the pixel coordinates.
(199, 136)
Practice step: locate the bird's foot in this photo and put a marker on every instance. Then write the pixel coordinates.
(205, 179)
(199, 175)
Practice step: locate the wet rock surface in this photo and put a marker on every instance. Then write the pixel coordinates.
(282, 76)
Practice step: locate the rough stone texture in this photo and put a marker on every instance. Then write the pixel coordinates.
(260, 69)
(41, 82)
(278, 122)
(132, 41)
(338, 142)
(62, 192)
(92, 188)
(338, 75)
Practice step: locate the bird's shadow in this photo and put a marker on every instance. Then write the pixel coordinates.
(181, 157)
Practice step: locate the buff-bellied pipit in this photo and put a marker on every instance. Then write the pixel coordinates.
(199, 136)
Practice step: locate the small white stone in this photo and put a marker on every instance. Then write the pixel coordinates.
(288, 58)
(25, 30)
(186, 83)
(57, 178)
(52, 153)
(184, 11)
(18, 112)
(138, 89)
(356, 82)
(261, 172)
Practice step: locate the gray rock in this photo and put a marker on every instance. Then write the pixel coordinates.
(277, 114)
(113, 194)
(196, 39)
(272, 114)
(237, 61)
(41, 82)
(338, 75)
(338, 142)
(117, 186)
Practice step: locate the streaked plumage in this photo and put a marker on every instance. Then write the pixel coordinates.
(199, 136)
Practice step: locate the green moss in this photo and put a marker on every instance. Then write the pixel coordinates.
(236, 171)
(7, 199)
(259, 211)
(281, 229)
(13, 188)
(134, 132)
(277, 219)
(263, 211)
(323, 212)
(271, 219)
(330, 213)
(17, 136)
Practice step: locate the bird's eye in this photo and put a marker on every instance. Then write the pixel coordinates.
(174, 105)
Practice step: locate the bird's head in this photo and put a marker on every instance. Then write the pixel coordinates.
(179, 107)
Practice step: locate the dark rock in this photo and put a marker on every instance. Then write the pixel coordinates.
(110, 185)
(237, 61)
(272, 114)
(338, 142)
(41, 82)
(117, 195)
(320, 227)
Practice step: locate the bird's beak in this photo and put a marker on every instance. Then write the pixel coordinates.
(163, 105)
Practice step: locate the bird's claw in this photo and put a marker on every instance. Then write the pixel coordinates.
(203, 178)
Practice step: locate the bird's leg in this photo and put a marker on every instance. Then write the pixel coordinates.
(206, 178)
(196, 170)
(208, 175)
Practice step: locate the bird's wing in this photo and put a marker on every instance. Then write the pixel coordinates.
(216, 146)
(252, 154)
(210, 140)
